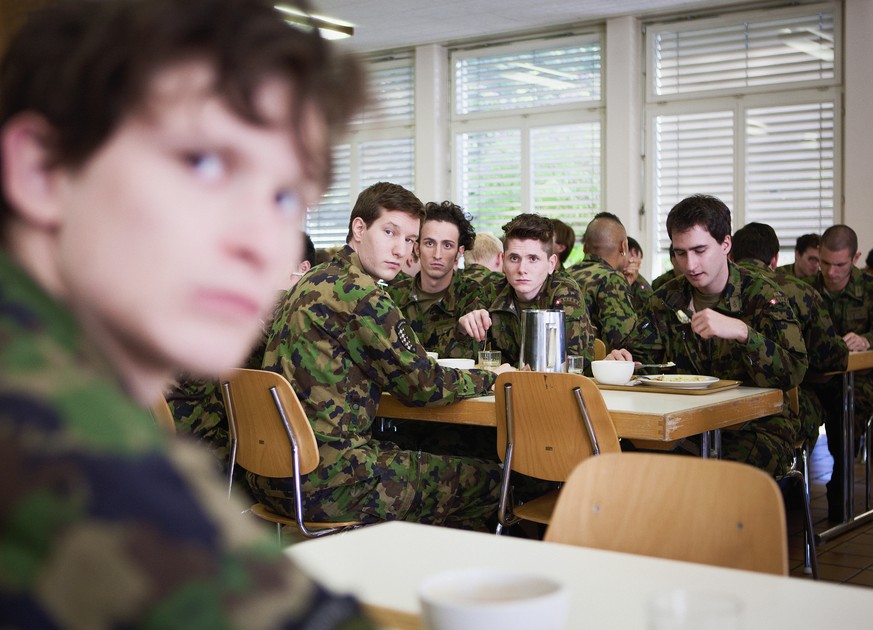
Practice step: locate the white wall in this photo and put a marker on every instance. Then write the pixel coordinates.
(858, 121)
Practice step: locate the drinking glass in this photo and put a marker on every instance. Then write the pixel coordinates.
(489, 359)
(575, 364)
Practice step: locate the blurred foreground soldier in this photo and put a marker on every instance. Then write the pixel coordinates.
(725, 321)
(341, 341)
(157, 160)
(848, 294)
(756, 247)
(806, 258)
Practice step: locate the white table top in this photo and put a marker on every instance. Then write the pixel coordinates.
(383, 564)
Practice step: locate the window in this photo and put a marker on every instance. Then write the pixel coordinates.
(380, 147)
(526, 128)
(742, 107)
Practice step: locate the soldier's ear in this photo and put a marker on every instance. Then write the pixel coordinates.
(460, 253)
(358, 227)
(856, 258)
(30, 181)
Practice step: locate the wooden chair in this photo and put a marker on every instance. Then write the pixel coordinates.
(271, 437)
(669, 506)
(162, 415)
(547, 422)
(599, 350)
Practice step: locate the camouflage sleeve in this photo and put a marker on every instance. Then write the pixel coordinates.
(775, 354)
(826, 350)
(648, 344)
(125, 530)
(580, 332)
(384, 343)
(618, 320)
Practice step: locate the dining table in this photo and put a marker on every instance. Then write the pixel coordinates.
(650, 419)
(858, 361)
(383, 565)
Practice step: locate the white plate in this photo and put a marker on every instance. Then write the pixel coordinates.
(679, 381)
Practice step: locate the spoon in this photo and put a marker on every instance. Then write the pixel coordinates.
(682, 316)
(668, 364)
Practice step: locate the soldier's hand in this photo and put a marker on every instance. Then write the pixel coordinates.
(505, 367)
(476, 324)
(707, 323)
(856, 342)
(619, 354)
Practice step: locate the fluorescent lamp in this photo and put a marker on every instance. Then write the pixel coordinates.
(329, 28)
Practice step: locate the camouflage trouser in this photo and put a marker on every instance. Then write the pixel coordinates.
(380, 483)
(812, 414)
(761, 449)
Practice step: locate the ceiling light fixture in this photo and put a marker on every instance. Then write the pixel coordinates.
(329, 28)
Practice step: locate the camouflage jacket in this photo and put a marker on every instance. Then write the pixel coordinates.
(480, 274)
(436, 326)
(663, 279)
(774, 355)
(640, 292)
(105, 521)
(341, 341)
(787, 269)
(505, 333)
(852, 309)
(607, 296)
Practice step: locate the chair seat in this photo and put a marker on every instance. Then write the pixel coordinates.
(262, 511)
(540, 509)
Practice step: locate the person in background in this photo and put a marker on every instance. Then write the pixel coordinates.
(307, 262)
(430, 300)
(493, 316)
(601, 278)
(724, 321)
(755, 246)
(484, 258)
(640, 289)
(806, 258)
(157, 160)
(564, 240)
(668, 274)
(341, 342)
(848, 295)
(868, 262)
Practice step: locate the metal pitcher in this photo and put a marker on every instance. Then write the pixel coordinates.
(543, 340)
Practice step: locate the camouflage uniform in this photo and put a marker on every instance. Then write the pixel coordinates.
(105, 522)
(341, 341)
(640, 292)
(436, 326)
(663, 279)
(607, 296)
(505, 332)
(481, 275)
(851, 311)
(787, 269)
(773, 356)
(825, 350)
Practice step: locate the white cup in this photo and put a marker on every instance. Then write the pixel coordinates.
(483, 598)
(612, 372)
(681, 609)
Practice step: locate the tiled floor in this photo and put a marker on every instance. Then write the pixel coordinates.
(847, 559)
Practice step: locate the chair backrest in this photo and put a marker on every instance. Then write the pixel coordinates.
(163, 416)
(599, 350)
(670, 506)
(549, 432)
(263, 443)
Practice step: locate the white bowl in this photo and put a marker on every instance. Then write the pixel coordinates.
(460, 364)
(612, 372)
(483, 598)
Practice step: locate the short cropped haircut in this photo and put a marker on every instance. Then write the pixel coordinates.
(704, 210)
(839, 237)
(529, 226)
(634, 246)
(85, 66)
(755, 241)
(869, 260)
(452, 213)
(805, 241)
(485, 247)
(566, 236)
(384, 196)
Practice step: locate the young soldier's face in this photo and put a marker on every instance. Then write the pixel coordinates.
(174, 235)
(836, 267)
(702, 259)
(527, 264)
(387, 243)
(438, 249)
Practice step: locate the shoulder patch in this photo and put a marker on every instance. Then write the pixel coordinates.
(406, 335)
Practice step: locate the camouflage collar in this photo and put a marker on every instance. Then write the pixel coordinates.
(854, 289)
(731, 296)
